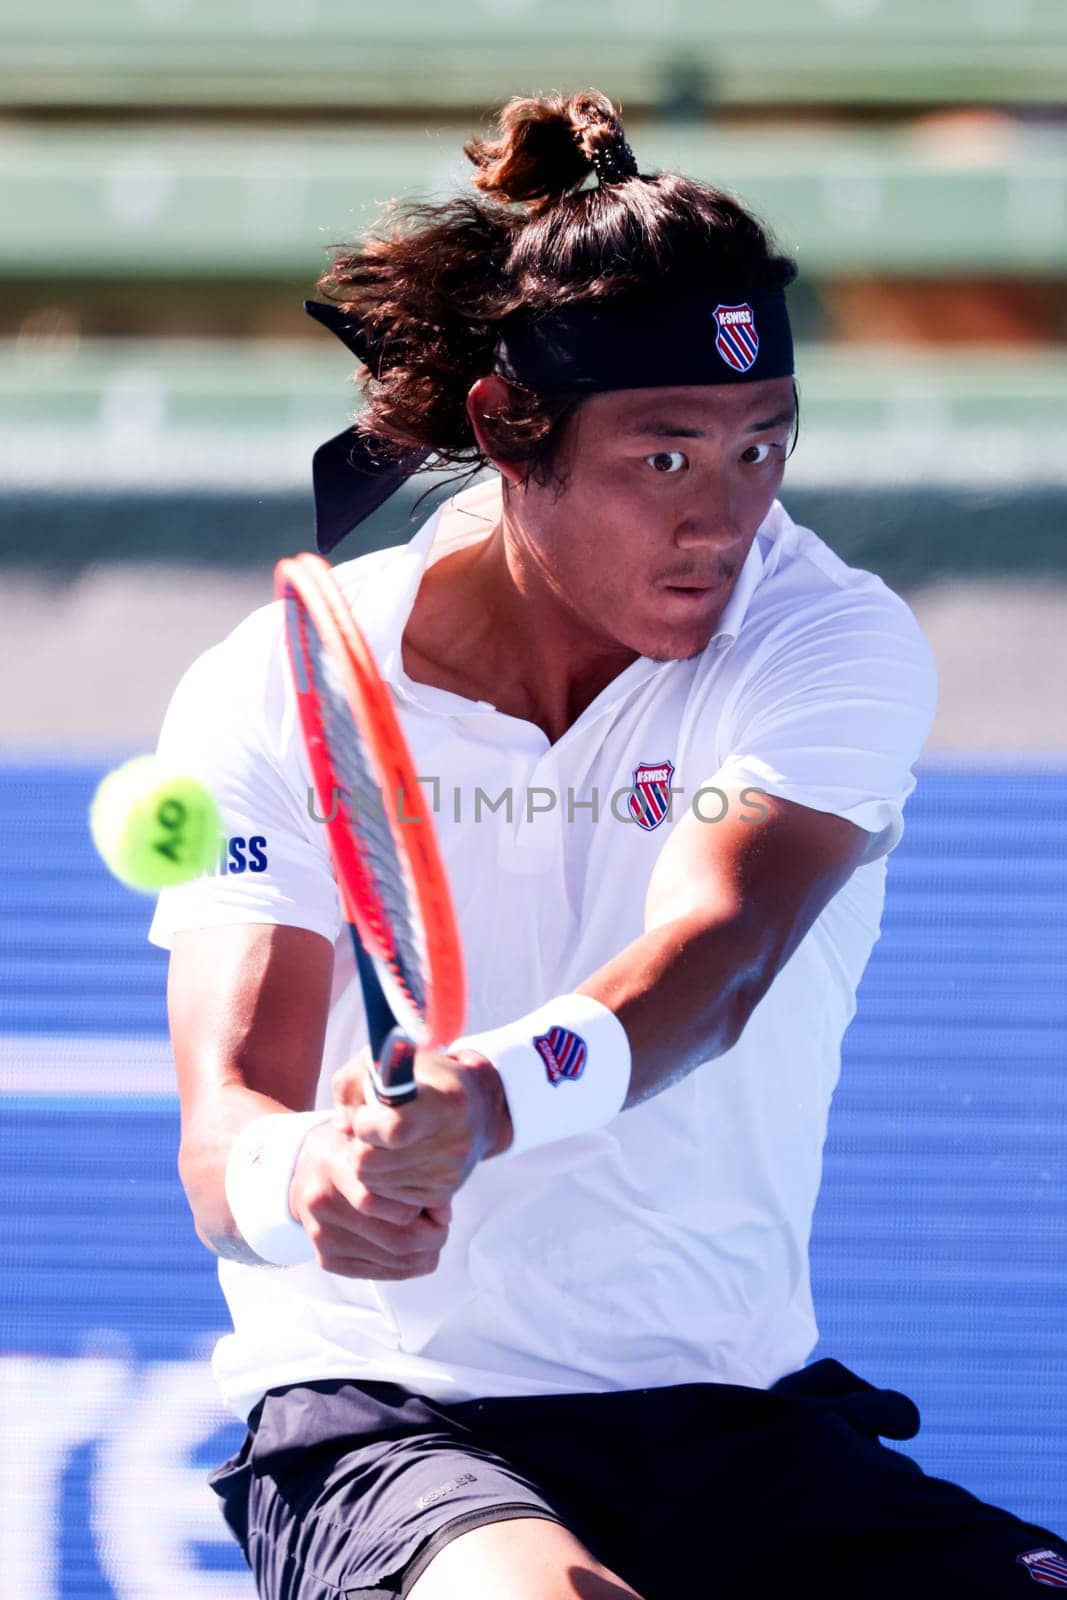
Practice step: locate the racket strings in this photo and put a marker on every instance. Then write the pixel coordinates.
(363, 808)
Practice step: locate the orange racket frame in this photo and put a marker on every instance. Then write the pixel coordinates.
(310, 580)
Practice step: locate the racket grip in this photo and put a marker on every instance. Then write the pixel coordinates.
(392, 1074)
(392, 1070)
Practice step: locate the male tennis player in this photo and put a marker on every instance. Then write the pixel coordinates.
(541, 1334)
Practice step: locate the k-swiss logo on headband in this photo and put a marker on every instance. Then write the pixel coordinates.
(650, 800)
(563, 1053)
(1045, 1567)
(736, 338)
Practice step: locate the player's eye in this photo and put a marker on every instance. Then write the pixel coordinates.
(667, 460)
(752, 457)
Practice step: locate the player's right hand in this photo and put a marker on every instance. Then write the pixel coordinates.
(357, 1234)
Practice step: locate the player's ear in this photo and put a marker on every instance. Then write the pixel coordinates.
(488, 398)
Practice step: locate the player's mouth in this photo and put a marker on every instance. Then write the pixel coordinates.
(692, 592)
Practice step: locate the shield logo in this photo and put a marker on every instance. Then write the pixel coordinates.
(650, 798)
(563, 1053)
(1045, 1566)
(736, 338)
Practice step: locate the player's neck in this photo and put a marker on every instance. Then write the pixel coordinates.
(488, 624)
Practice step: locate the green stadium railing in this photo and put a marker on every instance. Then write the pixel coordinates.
(913, 464)
(424, 53)
(272, 387)
(225, 202)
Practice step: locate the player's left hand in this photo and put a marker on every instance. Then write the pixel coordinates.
(422, 1152)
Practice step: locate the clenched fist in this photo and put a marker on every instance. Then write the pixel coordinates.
(422, 1152)
(373, 1189)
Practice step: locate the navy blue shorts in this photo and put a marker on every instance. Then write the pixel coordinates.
(344, 1491)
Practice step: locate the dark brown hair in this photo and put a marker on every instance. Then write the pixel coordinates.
(432, 281)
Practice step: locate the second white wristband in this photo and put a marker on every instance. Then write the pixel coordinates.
(259, 1171)
(565, 1068)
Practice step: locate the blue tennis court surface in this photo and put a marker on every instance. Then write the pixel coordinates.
(939, 1247)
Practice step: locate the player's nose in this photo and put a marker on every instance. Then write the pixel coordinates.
(710, 518)
(711, 532)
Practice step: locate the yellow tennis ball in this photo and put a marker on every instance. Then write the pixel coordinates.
(154, 827)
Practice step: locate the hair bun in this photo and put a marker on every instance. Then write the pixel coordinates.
(545, 148)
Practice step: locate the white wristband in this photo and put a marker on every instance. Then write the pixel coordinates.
(259, 1170)
(565, 1068)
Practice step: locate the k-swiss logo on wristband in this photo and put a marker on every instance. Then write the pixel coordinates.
(563, 1053)
(1045, 1566)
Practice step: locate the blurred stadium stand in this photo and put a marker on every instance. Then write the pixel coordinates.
(199, 450)
(172, 174)
(420, 53)
(987, 194)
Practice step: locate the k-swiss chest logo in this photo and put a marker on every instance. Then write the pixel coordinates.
(736, 338)
(563, 1053)
(650, 801)
(1046, 1567)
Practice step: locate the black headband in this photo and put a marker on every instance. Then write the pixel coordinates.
(595, 347)
(737, 338)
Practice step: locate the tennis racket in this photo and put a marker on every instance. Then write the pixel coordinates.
(392, 883)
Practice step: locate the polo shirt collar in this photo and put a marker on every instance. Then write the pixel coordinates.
(748, 580)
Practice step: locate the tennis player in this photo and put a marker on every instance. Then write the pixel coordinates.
(541, 1334)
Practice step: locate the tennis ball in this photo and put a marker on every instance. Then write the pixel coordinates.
(154, 827)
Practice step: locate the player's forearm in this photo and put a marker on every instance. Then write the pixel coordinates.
(684, 992)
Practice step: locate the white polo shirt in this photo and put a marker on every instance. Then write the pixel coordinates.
(670, 1246)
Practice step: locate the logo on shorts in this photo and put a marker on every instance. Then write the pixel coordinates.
(563, 1053)
(650, 798)
(736, 338)
(1046, 1567)
(433, 1495)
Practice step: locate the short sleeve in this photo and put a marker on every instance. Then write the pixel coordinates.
(232, 723)
(833, 713)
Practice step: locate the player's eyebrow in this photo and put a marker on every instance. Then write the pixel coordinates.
(655, 428)
(779, 420)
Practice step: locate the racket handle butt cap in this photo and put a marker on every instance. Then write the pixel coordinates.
(392, 1076)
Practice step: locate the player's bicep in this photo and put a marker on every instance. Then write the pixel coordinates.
(248, 1006)
(767, 866)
